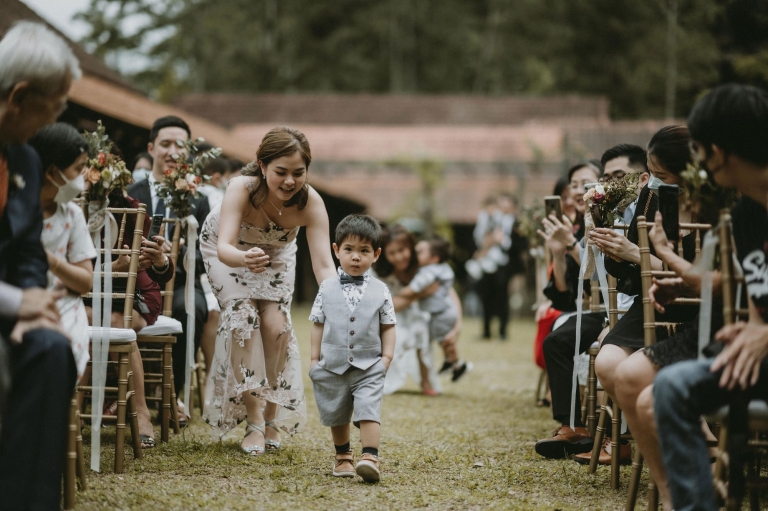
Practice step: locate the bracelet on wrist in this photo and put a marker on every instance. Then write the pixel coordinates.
(162, 269)
(571, 246)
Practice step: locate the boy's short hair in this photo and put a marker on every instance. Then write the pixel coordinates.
(439, 246)
(734, 118)
(364, 227)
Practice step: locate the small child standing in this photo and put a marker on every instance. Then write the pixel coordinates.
(353, 341)
(432, 255)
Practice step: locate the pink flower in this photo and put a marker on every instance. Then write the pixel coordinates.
(181, 184)
(598, 197)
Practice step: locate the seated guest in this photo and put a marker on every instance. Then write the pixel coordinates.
(164, 136)
(63, 152)
(562, 239)
(36, 70)
(668, 156)
(729, 128)
(142, 167)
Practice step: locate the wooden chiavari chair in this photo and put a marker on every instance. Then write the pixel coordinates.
(647, 274)
(155, 343)
(122, 340)
(729, 479)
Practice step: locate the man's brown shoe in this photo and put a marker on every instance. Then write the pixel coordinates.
(344, 465)
(368, 468)
(564, 442)
(625, 454)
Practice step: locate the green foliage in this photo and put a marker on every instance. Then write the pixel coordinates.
(618, 48)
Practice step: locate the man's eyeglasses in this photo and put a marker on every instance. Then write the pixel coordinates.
(607, 178)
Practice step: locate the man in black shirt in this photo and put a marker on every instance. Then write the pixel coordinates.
(729, 128)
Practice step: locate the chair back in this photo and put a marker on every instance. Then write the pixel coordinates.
(647, 274)
(174, 224)
(133, 267)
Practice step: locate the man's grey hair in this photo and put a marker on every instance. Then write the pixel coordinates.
(31, 52)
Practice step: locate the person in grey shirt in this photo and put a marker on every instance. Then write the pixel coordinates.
(433, 255)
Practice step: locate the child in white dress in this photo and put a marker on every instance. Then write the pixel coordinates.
(65, 237)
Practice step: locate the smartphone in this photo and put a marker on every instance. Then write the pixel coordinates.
(589, 186)
(552, 206)
(154, 228)
(669, 209)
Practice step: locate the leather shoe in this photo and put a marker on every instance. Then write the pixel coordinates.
(625, 454)
(564, 442)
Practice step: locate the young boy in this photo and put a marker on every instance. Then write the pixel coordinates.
(432, 255)
(353, 341)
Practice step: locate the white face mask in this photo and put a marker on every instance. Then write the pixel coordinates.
(654, 183)
(140, 174)
(70, 189)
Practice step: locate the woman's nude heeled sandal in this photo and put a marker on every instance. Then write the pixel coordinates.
(272, 445)
(253, 450)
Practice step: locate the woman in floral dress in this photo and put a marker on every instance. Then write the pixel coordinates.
(249, 248)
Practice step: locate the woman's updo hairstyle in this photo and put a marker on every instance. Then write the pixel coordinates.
(58, 145)
(669, 148)
(278, 142)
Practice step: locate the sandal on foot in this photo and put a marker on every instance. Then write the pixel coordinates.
(147, 442)
(272, 445)
(253, 450)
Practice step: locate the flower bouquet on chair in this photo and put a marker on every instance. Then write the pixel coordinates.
(606, 201)
(180, 183)
(106, 173)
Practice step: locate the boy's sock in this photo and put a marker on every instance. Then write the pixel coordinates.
(342, 449)
(370, 450)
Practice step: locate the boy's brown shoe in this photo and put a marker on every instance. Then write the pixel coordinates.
(564, 442)
(344, 465)
(368, 468)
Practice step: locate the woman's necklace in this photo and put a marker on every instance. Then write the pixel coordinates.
(279, 210)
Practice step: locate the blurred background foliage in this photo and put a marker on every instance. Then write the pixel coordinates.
(650, 58)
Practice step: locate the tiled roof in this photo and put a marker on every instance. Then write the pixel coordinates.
(447, 143)
(232, 109)
(12, 11)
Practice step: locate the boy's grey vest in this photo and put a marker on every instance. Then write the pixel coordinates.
(351, 339)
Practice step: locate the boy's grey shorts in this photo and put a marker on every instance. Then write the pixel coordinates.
(338, 395)
(440, 323)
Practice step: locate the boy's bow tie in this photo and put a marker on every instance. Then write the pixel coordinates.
(349, 279)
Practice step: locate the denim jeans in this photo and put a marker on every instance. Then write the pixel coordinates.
(682, 393)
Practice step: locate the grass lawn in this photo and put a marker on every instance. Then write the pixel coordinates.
(470, 448)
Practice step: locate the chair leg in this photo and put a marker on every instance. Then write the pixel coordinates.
(165, 407)
(175, 413)
(653, 494)
(80, 454)
(721, 464)
(122, 396)
(71, 467)
(542, 382)
(133, 419)
(599, 433)
(591, 396)
(201, 376)
(634, 480)
(615, 441)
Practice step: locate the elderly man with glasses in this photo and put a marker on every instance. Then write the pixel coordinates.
(36, 70)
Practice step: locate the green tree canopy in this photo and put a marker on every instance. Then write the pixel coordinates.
(618, 48)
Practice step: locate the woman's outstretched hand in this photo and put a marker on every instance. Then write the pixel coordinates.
(256, 260)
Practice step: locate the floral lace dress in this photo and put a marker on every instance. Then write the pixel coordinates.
(246, 299)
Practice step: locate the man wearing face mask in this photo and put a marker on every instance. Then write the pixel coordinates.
(36, 70)
(67, 242)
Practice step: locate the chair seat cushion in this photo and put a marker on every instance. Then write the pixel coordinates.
(163, 326)
(115, 334)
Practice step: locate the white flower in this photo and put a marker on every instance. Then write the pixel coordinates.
(703, 174)
(599, 189)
